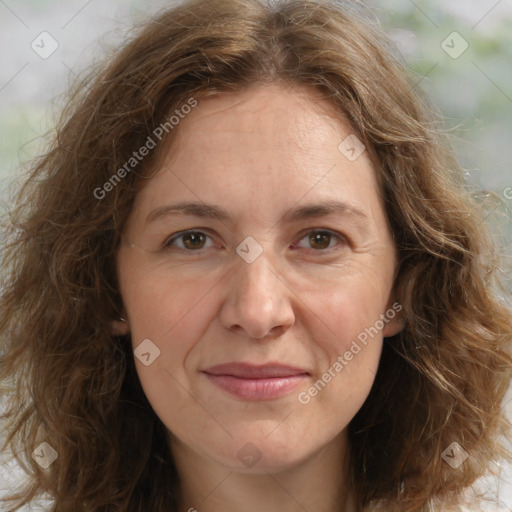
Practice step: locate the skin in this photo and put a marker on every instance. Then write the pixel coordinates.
(258, 154)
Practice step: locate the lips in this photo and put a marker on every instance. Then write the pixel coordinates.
(256, 382)
(249, 371)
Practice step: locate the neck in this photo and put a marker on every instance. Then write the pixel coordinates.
(318, 483)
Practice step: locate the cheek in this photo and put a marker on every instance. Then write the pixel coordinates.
(352, 313)
(165, 309)
(348, 306)
(346, 374)
(173, 314)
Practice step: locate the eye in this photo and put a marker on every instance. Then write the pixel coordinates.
(322, 240)
(193, 240)
(189, 240)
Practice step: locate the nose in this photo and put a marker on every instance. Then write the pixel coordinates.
(258, 302)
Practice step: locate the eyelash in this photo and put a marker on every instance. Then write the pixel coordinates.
(168, 244)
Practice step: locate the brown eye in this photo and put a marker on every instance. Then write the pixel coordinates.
(322, 240)
(193, 240)
(188, 241)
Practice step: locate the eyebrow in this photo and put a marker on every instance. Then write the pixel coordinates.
(307, 211)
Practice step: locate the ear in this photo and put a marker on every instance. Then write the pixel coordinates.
(394, 319)
(120, 327)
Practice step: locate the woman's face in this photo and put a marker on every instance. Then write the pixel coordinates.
(257, 315)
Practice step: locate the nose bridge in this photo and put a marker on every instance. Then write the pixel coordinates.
(256, 262)
(257, 300)
(257, 276)
(254, 283)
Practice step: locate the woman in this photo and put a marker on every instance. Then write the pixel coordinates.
(246, 276)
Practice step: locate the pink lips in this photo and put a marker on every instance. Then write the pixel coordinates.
(253, 382)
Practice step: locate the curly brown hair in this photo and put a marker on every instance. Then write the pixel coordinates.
(69, 381)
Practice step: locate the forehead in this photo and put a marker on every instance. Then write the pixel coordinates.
(300, 116)
(261, 130)
(258, 150)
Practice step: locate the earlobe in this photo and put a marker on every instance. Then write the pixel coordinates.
(395, 321)
(120, 327)
(393, 327)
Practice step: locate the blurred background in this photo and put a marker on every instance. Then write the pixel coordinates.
(461, 52)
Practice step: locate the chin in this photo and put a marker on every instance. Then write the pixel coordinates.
(262, 454)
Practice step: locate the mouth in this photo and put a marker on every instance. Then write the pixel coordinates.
(256, 382)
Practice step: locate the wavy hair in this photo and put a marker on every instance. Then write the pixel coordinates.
(72, 383)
